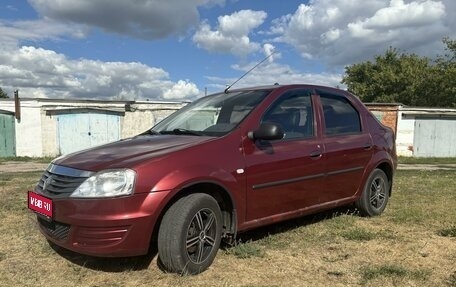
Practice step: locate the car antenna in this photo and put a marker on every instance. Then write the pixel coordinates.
(245, 74)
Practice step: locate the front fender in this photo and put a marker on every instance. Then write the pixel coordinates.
(233, 185)
(183, 177)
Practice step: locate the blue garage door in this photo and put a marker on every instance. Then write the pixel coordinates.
(79, 131)
(7, 135)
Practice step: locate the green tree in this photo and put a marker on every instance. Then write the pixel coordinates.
(3, 94)
(445, 75)
(406, 78)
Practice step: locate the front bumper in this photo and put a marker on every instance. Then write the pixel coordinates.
(111, 227)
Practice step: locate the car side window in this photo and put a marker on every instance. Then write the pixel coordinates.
(293, 112)
(340, 116)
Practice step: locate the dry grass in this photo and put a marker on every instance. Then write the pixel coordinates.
(412, 244)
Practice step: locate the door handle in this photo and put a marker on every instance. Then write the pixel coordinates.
(315, 153)
(367, 146)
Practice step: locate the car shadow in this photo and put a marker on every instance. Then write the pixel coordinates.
(289, 225)
(107, 264)
(114, 265)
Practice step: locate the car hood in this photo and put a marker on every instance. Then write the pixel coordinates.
(128, 152)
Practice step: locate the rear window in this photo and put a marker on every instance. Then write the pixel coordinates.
(339, 114)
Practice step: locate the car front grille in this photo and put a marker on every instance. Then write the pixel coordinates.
(56, 185)
(58, 182)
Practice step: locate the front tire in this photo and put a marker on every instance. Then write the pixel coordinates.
(190, 234)
(375, 195)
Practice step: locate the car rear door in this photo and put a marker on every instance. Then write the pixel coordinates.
(347, 146)
(285, 175)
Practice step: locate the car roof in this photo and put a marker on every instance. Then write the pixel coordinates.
(276, 86)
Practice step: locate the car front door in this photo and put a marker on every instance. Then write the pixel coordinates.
(285, 175)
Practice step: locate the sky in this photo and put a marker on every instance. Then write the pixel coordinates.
(179, 50)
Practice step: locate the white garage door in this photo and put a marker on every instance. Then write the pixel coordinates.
(435, 137)
(77, 131)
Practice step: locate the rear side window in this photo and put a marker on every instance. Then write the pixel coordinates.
(340, 116)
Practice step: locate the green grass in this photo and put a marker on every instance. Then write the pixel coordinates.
(426, 160)
(447, 232)
(451, 281)
(426, 197)
(358, 234)
(26, 159)
(394, 271)
(246, 250)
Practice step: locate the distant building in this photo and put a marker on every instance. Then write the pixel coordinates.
(426, 132)
(50, 127)
(420, 132)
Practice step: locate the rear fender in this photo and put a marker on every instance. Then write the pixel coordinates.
(378, 159)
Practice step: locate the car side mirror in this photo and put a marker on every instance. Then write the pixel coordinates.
(267, 131)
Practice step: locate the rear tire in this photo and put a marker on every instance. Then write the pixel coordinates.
(190, 234)
(375, 195)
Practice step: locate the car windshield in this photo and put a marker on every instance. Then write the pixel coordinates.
(214, 115)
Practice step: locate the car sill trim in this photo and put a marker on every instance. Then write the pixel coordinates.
(336, 172)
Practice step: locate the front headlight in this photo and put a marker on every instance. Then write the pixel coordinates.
(108, 183)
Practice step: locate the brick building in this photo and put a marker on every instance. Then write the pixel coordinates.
(387, 114)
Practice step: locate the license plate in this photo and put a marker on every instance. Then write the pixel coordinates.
(40, 204)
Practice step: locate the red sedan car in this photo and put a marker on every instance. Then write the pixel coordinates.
(223, 164)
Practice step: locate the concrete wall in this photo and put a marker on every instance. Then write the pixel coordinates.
(405, 134)
(28, 129)
(144, 115)
(28, 132)
(49, 134)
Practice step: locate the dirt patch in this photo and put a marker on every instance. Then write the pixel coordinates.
(19, 166)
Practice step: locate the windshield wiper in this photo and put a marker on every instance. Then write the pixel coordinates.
(149, 132)
(181, 131)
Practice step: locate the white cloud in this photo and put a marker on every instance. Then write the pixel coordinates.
(271, 73)
(400, 14)
(330, 36)
(341, 32)
(146, 19)
(232, 33)
(37, 72)
(269, 51)
(181, 90)
(11, 33)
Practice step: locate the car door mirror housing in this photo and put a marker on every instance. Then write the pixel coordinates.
(267, 131)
